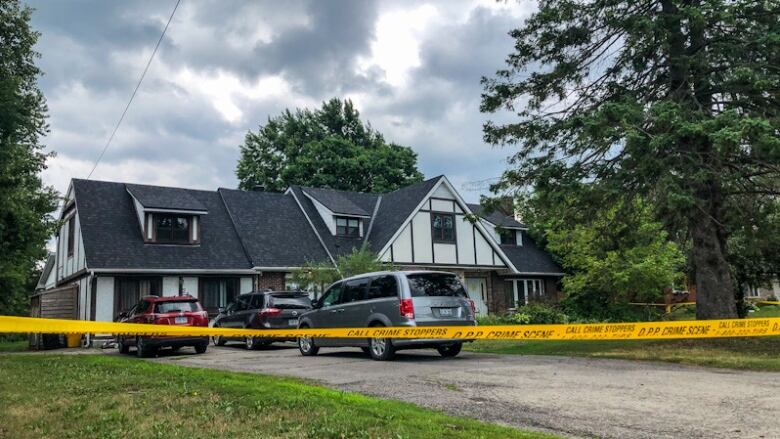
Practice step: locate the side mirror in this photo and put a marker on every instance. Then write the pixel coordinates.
(315, 303)
(122, 315)
(221, 310)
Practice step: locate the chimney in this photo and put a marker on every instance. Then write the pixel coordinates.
(258, 188)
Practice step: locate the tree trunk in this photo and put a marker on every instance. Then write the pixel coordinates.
(714, 287)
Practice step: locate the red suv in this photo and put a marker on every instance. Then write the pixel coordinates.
(177, 310)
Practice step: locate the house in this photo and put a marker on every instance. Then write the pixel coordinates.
(120, 241)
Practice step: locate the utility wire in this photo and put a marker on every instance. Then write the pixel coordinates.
(140, 80)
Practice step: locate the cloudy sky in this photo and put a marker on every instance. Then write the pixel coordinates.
(412, 69)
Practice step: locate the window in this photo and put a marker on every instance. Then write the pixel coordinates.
(347, 227)
(172, 228)
(129, 290)
(289, 302)
(71, 235)
(435, 285)
(527, 290)
(217, 292)
(354, 290)
(332, 296)
(383, 286)
(178, 306)
(443, 227)
(508, 236)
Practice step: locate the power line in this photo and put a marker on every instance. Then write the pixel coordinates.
(140, 80)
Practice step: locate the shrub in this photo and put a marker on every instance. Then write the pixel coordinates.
(539, 314)
(495, 319)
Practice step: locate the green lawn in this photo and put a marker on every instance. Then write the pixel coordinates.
(98, 396)
(755, 353)
(13, 346)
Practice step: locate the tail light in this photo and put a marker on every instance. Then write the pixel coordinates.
(407, 308)
(473, 307)
(269, 312)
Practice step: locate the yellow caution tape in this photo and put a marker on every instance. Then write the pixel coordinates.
(767, 302)
(598, 331)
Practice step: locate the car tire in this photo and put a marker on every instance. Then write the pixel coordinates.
(142, 350)
(381, 349)
(201, 348)
(449, 351)
(251, 343)
(120, 344)
(306, 345)
(218, 340)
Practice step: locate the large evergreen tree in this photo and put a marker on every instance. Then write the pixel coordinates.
(327, 147)
(25, 204)
(677, 102)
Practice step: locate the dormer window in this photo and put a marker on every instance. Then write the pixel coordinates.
(510, 236)
(173, 229)
(346, 226)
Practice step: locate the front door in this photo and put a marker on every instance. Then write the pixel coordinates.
(477, 289)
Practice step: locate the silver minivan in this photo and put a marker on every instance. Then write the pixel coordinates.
(397, 298)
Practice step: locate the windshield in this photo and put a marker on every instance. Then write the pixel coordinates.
(435, 285)
(166, 307)
(290, 302)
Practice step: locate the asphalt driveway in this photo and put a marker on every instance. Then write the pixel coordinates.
(575, 397)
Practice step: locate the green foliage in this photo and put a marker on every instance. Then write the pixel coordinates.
(672, 102)
(539, 314)
(25, 204)
(323, 273)
(327, 147)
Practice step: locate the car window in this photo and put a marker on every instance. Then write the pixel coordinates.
(257, 301)
(242, 303)
(435, 284)
(230, 308)
(354, 290)
(166, 307)
(289, 302)
(140, 308)
(383, 286)
(332, 296)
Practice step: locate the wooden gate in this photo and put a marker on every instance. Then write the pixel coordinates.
(56, 303)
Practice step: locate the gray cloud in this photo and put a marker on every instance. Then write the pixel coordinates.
(178, 132)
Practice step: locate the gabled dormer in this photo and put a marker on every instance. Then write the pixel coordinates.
(504, 228)
(167, 215)
(342, 216)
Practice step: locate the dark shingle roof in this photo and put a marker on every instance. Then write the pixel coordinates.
(113, 239)
(529, 258)
(497, 217)
(337, 245)
(274, 230)
(343, 202)
(158, 197)
(395, 208)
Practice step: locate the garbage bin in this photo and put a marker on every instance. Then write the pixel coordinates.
(74, 340)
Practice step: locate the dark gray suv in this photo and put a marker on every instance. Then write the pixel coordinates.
(400, 298)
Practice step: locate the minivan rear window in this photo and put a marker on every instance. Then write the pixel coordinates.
(435, 285)
(166, 307)
(297, 302)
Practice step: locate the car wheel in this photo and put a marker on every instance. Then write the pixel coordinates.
(201, 348)
(450, 350)
(142, 350)
(381, 349)
(251, 344)
(120, 344)
(218, 340)
(306, 345)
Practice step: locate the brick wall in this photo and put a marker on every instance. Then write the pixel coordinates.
(272, 280)
(500, 294)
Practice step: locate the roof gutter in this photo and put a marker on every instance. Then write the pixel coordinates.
(172, 271)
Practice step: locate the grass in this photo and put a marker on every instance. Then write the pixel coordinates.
(98, 396)
(755, 353)
(13, 346)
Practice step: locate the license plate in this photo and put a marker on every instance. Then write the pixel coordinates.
(293, 322)
(180, 320)
(445, 311)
